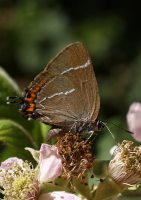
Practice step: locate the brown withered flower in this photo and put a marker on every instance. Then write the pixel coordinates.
(77, 156)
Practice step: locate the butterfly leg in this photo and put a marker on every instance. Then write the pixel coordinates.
(91, 133)
(82, 127)
(77, 127)
(73, 128)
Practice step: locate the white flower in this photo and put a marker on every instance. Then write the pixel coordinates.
(125, 167)
(134, 120)
(20, 180)
(8, 165)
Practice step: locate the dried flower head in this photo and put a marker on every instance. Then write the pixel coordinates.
(125, 167)
(76, 154)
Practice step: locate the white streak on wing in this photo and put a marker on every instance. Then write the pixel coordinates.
(42, 100)
(51, 80)
(61, 93)
(43, 107)
(70, 91)
(45, 86)
(64, 72)
(78, 67)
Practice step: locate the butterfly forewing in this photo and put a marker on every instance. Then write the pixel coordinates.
(69, 91)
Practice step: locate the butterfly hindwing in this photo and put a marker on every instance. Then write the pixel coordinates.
(69, 90)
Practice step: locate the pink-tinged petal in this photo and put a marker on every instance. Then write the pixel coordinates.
(114, 150)
(10, 162)
(134, 120)
(50, 163)
(58, 196)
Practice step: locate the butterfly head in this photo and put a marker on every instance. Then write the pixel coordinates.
(99, 125)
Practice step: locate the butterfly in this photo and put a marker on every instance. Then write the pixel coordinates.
(65, 94)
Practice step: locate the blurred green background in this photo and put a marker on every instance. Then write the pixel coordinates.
(32, 32)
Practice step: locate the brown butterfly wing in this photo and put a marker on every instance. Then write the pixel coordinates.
(70, 92)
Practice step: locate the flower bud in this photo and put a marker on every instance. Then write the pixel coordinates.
(134, 120)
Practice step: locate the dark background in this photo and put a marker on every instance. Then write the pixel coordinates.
(32, 32)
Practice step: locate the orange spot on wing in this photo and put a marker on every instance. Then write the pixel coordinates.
(31, 107)
(33, 94)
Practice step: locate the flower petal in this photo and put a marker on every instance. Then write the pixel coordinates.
(134, 120)
(114, 150)
(58, 196)
(10, 162)
(50, 163)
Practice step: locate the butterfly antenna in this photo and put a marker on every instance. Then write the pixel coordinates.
(105, 124)
(13, 99)
(123, 129)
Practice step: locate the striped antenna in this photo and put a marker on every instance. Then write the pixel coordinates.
(14, 99)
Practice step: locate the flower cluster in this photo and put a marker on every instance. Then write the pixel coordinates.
(71, 158)
(19, 180)
(15, 174)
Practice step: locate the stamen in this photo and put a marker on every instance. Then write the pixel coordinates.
(77, 156)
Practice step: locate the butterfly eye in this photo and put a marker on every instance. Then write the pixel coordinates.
(100, 125)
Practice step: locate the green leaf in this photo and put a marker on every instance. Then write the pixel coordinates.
(8, 152)
(100, 168)
(133, 193)
(15, 135)
(8, 84)
(36, 134)
(44, 130)
(40, 132)
(10, 88)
